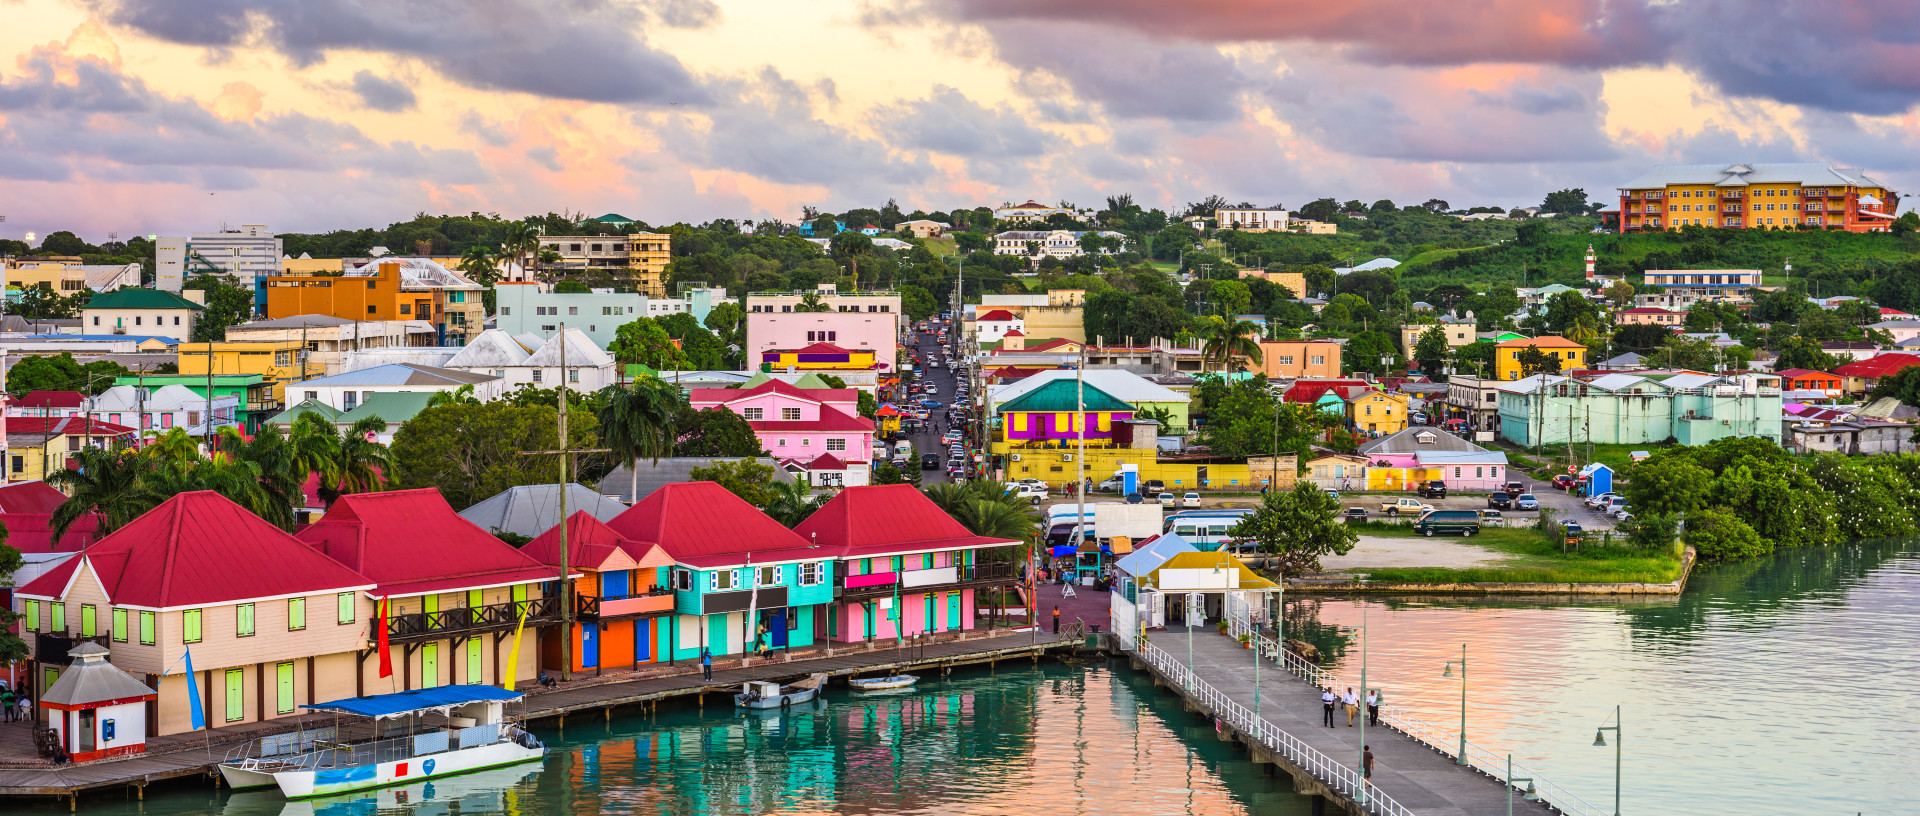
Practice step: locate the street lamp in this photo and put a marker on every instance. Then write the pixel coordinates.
(1531, 794)
(1600, 741)
(1462, 759)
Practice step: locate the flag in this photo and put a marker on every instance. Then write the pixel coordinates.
(386, 654)
(193, 693)
(513, 657)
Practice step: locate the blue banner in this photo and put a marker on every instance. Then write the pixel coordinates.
(193, 693)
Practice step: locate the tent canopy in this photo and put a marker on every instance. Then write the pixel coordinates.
(407, 702)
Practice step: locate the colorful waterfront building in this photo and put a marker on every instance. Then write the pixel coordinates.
(623, 599)
(903, 566)
(1506, 355)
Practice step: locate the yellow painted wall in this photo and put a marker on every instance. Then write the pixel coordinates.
(1048, 467)
(276, 361)
(1379, 413)
(1506, 360)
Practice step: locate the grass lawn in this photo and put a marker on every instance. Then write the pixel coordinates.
(1535, 560)
(1554, 457)
(942, 247)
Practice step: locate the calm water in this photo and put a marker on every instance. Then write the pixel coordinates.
(1784, 686)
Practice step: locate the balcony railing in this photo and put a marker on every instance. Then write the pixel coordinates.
(989, 574)
(51, 647)
(424, 626)
(593, 607)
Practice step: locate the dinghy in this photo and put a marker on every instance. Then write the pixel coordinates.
(898, 681)
(762, 694)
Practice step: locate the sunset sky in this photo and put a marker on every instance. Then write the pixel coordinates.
(166, 116)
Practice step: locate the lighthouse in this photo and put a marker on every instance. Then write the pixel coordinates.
(1589, 262)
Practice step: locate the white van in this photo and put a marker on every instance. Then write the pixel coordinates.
(903, 448)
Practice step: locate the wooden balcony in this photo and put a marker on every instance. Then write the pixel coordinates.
(996, 573)
(51, 647)
(415, 627)
(592, 607)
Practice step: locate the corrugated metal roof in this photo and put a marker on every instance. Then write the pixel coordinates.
(492, 348)
(1122, 385)
(582, 352)
(91, 679)
(531, 510)
(1808, 173)
(703, 519)
(402, 374)
(1064, 395)
(409, 540)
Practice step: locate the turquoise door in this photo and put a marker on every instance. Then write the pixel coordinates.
(590, 646)
(953, 611)
(931, 622)
(866, 621)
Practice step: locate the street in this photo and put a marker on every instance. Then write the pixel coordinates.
(928, 439)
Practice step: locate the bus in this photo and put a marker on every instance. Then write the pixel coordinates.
(1207, 530)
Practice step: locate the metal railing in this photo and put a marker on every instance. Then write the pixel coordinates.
(413, 626)
(314, 752)
(991, 572)
(588, 606)
(1336, 776)
(1491, 763)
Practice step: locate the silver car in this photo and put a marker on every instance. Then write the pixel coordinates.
(1526, 501)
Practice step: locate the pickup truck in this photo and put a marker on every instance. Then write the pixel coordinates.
(1411, 507)
(1031, 492)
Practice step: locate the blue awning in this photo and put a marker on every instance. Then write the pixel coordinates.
(387, 705)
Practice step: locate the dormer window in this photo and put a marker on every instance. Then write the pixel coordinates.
(1423, 438)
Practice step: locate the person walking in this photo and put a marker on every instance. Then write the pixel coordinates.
(1366, 761)
(1056, 619)
(706, 664)
(1373, 708)
(1327, 699)
(1352, 702)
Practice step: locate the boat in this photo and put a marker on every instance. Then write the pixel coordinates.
(764, 694)
(898, 681)
(489, 791)
(392, 739)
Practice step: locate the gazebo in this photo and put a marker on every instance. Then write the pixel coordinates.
(100, 711)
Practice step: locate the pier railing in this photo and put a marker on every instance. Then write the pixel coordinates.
(1444, 740)
(1341, 778)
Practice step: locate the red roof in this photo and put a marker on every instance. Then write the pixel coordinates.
(590, 542)
(997, 314)
(888, 410)
(1795, 373)
(719, 396)
(201, 549)
(827, 461)
(1049, 345)
(1871, 368)
(51, 399)
(1014, 333)
(830, 420)
(880, 519)
(411, 542)
(30, 497)
(59, 425)
(703, 524)
(824, 348)
(1014, 372)
(1886, 312)
(1311, 390)
(33, 532)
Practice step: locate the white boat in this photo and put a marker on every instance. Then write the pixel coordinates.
(898, 681)
(408, 737)
(489, 791)
(763, 694)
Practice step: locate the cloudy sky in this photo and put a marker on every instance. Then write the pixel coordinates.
(140, 116)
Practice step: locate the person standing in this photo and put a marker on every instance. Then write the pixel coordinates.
(6, 702)
(706, 664)
(1327, 699)
(1373, 708)
(1352, 702)
(26, 706)
(1056, 619)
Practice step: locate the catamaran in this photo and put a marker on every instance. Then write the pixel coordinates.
(399, 738)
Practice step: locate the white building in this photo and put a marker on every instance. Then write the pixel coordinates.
(344, 392)
(249, 255)
(991, 326)
(531, 308)
(165, 408)
(1031, 211)
(496, 353)
(1055, 243)
(1250, 220)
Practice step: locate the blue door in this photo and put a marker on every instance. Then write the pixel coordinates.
(777, 627)
(643, 640)
(590, 645)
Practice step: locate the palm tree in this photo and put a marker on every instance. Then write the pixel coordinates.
(638, 422)
(364, 462)
(174, 449)
(101, 481)
(810, 302)
(269, 460)
(522, 242)
(481, 263)
(316, 448)
(792, 502)
(1225, 341)
(458, 396)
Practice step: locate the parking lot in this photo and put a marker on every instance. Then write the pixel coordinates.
(1564, 505)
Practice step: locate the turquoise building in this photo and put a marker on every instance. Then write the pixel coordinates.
(1640, 409)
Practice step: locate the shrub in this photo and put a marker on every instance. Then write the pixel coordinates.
(1720, 536)
(1650, 533)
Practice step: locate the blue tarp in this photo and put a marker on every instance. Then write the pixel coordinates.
(387, 705)
(1064, 550)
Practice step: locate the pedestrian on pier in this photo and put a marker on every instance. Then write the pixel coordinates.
(1373, 707)
(1056, 619)
(706, 664)
(1366, 760)
(1327, 699)
(1352, 702)
(6, 702)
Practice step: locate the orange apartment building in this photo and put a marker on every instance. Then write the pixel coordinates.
(1296, 359)
(387, 289)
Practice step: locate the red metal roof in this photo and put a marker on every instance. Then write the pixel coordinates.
(1310, 390)
(51, 399)
(1871, 368)
(201, 549)
(411, 542)
(1049, 345)
(721, 396)
(825, 348)
(827, 461)
(1796, 373)
(1014, 372)
(590, 542)
(30, 497)
(878, 519)
(75, 425)
(997, 314)
(1014, 333)
(690, 519)
(33, 532)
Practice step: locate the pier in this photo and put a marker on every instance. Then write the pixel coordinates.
(1416, 772)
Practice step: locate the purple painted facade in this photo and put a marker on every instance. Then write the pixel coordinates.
(1048, 425)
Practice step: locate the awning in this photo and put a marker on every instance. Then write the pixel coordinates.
(406, 702)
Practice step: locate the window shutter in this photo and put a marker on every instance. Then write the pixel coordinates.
(119, 625)
(296, 614)
(190, 626)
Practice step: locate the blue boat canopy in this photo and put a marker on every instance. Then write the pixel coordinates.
(405, 702)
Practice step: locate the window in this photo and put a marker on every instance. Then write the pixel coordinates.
(370, 310)
(506, 311)
(88, 620)
(33, 616)
(296, 614)
(789, 414)
(681, 579)
(753, 414)
(136, 320)
(283, 358)
(767, 576)
(573, 310)
(536, 375)
(722, 579)
(1319, 360)
(812, 574)
(1286, 360)
(573, 375)
(119, 625)
(243, 620)
(190, 626)
(836, 444)
(406, 308)
(146, 628)
(782, 443)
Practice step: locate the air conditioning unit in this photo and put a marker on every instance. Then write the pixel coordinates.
(1726, 422)
(1016, 457)
(1066, 457)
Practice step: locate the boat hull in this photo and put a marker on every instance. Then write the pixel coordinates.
(242, 779)
(884, 683)
(327, 782)
(784, 700)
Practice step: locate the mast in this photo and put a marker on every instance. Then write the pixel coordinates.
(1080, 456)
(566, 583)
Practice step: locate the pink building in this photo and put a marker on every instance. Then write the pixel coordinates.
(816, 431)
(876, 332)
(904, 567)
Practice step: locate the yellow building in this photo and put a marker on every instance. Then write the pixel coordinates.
(1506, 356)
(1055, 467)
(277, 362)
(1458, 335)
(1756, 196)
(1378, 413)
(640, 258)
(818, 357)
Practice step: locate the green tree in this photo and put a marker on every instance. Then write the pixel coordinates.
(917, 302)
(1534, 361)
(1640, 338)
(1668, 485)
(1804, 352)
(714, 432)
(471, 452)
(1565, 309)
(1298, 527)
(100, 481)
(1720, 536)
(791, 502)
(227, 305)
(643, 341)
(13, 648)
(1227, 340)
(1903, 385)
(751, 481)
(481, 264)
(637, 422)
(1531, 233)
(1572, 201)
(1431, 350)
(1476, 357)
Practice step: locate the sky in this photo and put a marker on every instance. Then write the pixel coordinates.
(158, 116)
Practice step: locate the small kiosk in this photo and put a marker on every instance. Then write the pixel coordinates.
(98, 711)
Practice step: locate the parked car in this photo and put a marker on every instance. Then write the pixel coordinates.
(1135, 498)
(1492, 518)
(930, 461)
(1571, 528)
(1516, 488)
(1155, 486)
(1419, 418)
(1464, 522)
(1035, 482)
(1333, 493)
(1028, 492)
(1435, 489)
(1168, 500)
(1596, 502)
(1563, 482)
(1355, 514)
(1500, 501)
(1526, 501)
(1615, 505)
(1112, 485)
(1410, 507)
(1190, 500)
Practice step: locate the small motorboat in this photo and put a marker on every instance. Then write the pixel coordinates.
(898, 681)
(763, 694)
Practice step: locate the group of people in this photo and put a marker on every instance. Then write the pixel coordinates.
(1328, 700)
(17, 707)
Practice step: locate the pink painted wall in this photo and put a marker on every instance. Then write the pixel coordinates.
(913, 618)
(876, 332)
(798, 444)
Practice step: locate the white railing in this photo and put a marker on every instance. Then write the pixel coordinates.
(1441, 739)
(1340, 778)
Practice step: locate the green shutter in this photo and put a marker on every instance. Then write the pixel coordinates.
(283, 686)
(430, 665)
(33, 616)
(146, 628)
(119, 625)
(87, 621)
(60, 617)
(236, 694)
(429, 603)
(346, 607)
(190, 626)
(243, 621)
(473, 661)
(296, 614)
(474, 599)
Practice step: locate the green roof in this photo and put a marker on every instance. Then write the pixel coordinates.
(393, 407)
(288, 416)
(141, 299)
(1058, 396)
(614, 218)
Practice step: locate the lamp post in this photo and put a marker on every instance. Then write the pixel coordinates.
(1600, 741)
(1462, 759)
(1361, 793)
(1531, 795)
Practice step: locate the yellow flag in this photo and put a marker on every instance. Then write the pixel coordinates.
(513, 656)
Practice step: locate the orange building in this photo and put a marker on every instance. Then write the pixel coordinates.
(1297, 359)
(387, 289)
(618, 594)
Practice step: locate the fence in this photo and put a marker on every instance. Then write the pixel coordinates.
(1336, 776)
(1445, 741)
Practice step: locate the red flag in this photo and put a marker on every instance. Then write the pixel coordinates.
(386, 655)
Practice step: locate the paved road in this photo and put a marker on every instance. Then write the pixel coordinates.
(943, 378)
